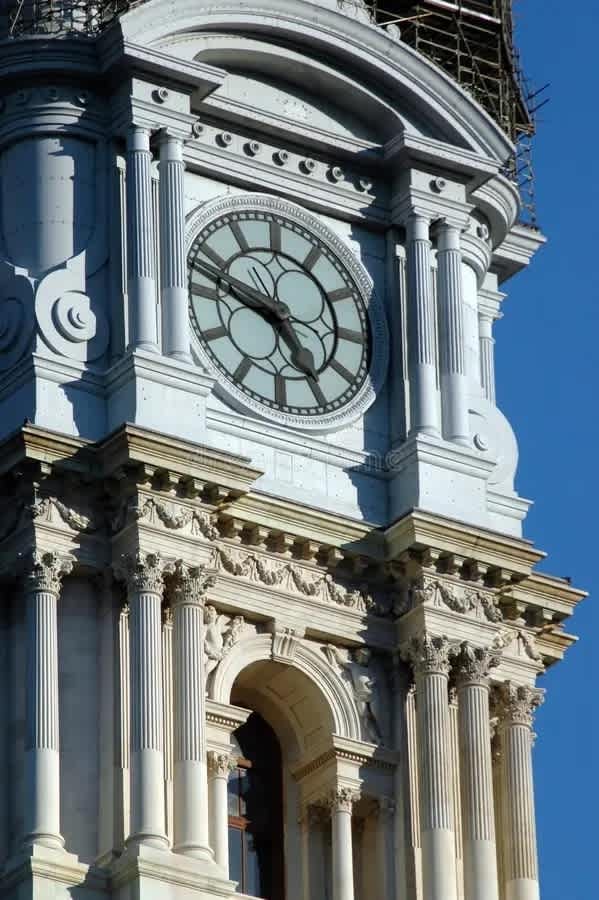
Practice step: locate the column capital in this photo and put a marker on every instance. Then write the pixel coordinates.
(342, 799)
(44, 571)
(142, 572)
(428, 654)
(189, 584)
(472, 664)
(516, 704)
(220, 764)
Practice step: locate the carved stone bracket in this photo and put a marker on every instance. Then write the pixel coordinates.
(285, 641)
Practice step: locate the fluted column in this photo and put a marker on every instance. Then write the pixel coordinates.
(141, 284)
(341, 802)
(454, 384)
(144, 573)
(516, 705)
(424, 410)
(172, 248)
(487, 354)
(42, 748)
(472, 666)
(219, 768)
(430, 658)
(189, 587)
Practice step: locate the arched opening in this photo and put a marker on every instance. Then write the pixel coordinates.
(255, 806)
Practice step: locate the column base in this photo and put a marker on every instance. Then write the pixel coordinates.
(38, 872)
(522, 889)
(158, 841)
(42, 839)
(144, 871)
(195, 851)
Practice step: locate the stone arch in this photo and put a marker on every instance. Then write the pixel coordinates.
(303, 694)
(354, 46)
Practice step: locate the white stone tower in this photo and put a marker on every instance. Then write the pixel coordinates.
(270, 625)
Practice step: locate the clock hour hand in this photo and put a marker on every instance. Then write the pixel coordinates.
(301, 356)
(255, 299)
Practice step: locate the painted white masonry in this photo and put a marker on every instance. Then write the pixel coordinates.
(361, 584)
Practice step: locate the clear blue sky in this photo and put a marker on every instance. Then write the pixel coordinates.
(547, 370)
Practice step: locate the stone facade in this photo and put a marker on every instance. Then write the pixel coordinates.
(177, 554)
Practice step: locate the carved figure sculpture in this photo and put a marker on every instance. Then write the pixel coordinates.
(356, 669)
(220, 634)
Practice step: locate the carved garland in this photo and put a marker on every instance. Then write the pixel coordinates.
(292, 578)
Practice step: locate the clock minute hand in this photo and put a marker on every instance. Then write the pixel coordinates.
(254, 298)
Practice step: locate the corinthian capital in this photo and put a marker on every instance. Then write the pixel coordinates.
(142, 572)
(473, 664)
(189, 584)
(45, 571)
(516, 704)
(220, 764)
(342, 799)
(429, 655)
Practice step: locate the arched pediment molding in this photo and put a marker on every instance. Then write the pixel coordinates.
(327, 690)
(397, 71)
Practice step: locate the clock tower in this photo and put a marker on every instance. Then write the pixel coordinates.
(271, 628)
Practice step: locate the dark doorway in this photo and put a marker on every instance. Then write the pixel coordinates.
(255, 799)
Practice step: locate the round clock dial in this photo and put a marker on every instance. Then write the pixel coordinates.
(277, 314)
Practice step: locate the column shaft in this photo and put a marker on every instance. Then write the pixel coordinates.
(42, 748)
(480, 856)
(521, 868)
(454, 384)
(140, 259)
(431, 665)
(341, 825)
(191, 781)
(147, 736)
(424, 410)
(487, 356)
(218, 773)
(172, 249)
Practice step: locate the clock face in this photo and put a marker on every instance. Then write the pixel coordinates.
(277, 314)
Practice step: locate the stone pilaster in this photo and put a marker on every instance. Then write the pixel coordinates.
(424, 409)
(219, 769)
(341, 801)
(172, 248)
(430, 658)
(188, 589)
(487, 354)
(140, 242)
(43, 580)
(454, 384)
(472, 667)
(144, 575)
(515, 708)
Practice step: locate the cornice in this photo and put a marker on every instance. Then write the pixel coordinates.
(362, 47)
(516, 251)
(420, 529)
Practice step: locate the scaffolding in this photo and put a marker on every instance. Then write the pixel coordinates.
(472, 40)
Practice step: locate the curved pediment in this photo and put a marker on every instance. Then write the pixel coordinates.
(353, 77)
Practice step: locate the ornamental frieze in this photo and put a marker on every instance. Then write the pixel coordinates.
(171, 516)
(295, 579)
(460, 598)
